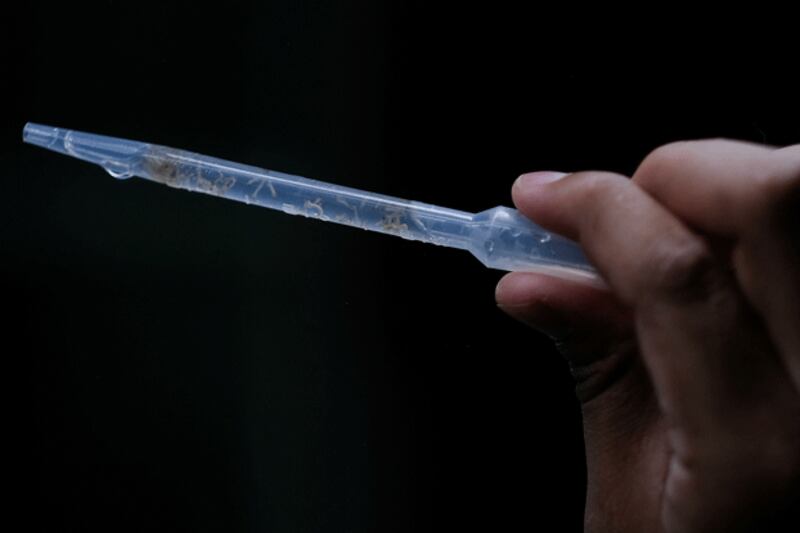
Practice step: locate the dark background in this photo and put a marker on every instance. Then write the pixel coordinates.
(179, 362)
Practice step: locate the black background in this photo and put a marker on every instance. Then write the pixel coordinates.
(180, 362)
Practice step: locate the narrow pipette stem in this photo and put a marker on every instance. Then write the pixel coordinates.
(500, 237)
(306, 197)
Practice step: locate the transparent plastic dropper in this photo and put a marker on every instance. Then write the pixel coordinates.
(500, 237)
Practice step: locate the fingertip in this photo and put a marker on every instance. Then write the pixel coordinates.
(530, 193)
(518, 288)
(517, 296)
(499, 290)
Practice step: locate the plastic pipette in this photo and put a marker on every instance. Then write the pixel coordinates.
(500, 237)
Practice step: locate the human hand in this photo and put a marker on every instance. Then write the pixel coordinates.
(688, 368)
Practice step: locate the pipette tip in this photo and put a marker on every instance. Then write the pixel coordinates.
(117, 156)
(44, 136)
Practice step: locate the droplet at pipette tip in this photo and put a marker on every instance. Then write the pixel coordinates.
(500, 237)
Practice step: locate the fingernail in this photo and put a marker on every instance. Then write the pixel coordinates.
(533, 179)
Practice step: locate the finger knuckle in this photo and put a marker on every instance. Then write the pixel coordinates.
(663, 160)
(596, 190)
(671, 158)
(596, 186)
(683, 269)
(781, 180)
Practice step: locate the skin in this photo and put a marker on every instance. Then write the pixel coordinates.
(688, 367)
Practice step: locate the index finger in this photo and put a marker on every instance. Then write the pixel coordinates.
(718, 186)
(748, 193)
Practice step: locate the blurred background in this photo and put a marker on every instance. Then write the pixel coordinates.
(179, 362)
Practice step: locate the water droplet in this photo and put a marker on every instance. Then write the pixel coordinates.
(289, 209)
(489, 246)
(545, 238)
(68, 144)
(118, 170)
